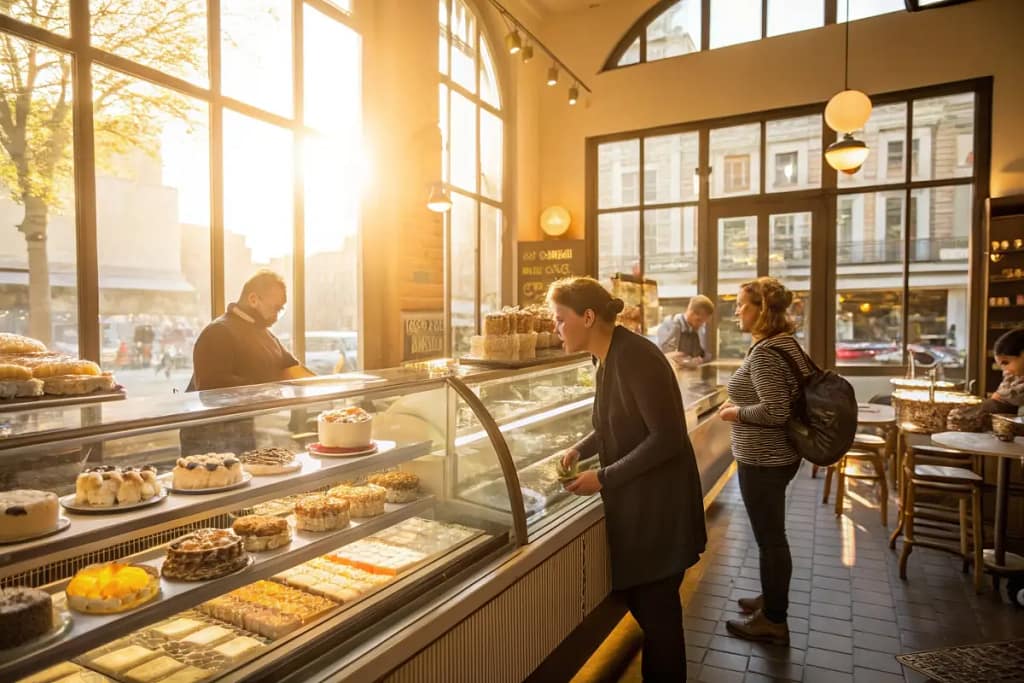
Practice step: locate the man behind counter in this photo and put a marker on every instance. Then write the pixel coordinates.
(683, 337)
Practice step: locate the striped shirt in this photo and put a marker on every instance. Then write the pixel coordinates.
(765, 390)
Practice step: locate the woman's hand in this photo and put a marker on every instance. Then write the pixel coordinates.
(586, 484)
(729, 412)
(570, 457)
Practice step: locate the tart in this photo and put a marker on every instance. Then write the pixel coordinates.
(25, 614)
(26, 513)
(366, 501)
(345, 428)
(320, 512)
(112, 587)
(205, 554)
(400, 487)
(262, 533)
(107, 485)
(265, 461)
(207, 471)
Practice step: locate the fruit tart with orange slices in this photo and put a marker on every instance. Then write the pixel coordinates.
(112, 587)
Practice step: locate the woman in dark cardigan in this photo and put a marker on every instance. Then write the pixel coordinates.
(654, 511)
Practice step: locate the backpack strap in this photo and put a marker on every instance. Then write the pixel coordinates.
(798, 375)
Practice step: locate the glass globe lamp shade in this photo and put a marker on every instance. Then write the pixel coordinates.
(847, 155)
(848, 111)
(555, 220)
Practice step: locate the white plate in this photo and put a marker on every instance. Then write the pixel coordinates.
(62, 524)
(287, 469)
(69, 504)
(168, 480)
(61, 622)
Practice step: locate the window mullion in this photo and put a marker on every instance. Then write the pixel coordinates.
(217, 286)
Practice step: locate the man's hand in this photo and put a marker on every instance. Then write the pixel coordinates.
(586, 484)
(570, 457)
(729, 412)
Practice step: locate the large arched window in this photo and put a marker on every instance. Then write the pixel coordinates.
(154, 155)
(472, 132)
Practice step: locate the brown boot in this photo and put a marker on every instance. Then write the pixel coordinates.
(759, 628)
(751, 605)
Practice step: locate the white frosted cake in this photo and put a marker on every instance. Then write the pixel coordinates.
(345, 428)
(27, 513)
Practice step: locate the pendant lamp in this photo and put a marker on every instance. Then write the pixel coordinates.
(846, 112)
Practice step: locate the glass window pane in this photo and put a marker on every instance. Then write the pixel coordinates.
(488, 77)
(670, 250)
(256, 53)
(789, 259)
(631, 55)
(168, 35)
(735, 21)
(618, 177)
(787, 16)
(463, 142)
(54, 16)
(669, 165)
(735, 160)
(490, 155)
(332, 55)
(861, 9)
(442, 51)
(463, 217)
(153, 234)
(464, 46)
(490, 258)
(675, 32)
(943, 137)
(618, 243)
(38, 281)
(737, 250)
(257, 234)
(885, 135)
(732, 343)
(794, 154)
(442, 101)
(344, 5)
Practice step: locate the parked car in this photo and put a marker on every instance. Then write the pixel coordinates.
(324, 349)
(924, 356)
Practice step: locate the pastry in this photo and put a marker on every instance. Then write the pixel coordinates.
(264, 461)
(26, 513)
(378, 558)
(526, 345)
(207, 471)
(267, 608)
(154, 670)
(18, 344)
(75, 385)
(204, 554)
(54, 368)
(345, 428)
(401, 487)
(111, 587)
(209, 636)
(179, 627)
(107, 485)
(365, 501)
(262, 533)
(53, 673)
(84, 676)
(239, 648)
(25, 613)
(319, 512)
(21, 388)
(122, 660)
(9, 371)
(493, 347)
(496, 324)
(190, 674)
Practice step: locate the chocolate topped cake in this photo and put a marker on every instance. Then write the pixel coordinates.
(25, 613)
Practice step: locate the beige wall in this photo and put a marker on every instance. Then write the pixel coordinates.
(890, 52)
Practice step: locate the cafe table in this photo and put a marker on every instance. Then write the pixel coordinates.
(986, 444)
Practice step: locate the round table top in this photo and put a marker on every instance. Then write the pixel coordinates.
(983, 443)
(870, 413)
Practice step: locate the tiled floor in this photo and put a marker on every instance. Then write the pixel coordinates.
(850, 613)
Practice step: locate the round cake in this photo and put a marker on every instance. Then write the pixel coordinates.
(366, 501)
(401, 487)
(112, 587)
(108, 485)
(264, 461)
(345, 428)
(321, 513)
(261, 532)
(205, 554)
(26, 513)
(25, 613)
(207, 471)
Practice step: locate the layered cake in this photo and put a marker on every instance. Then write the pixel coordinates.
(515, 334)
(322, 513)
(25, 614)
(366, 501)
(400, 487)
(267, 608)
(207, 471)
(112, 587)
(205, 554)
(375, 557)
(333, 580)
(265, 461)
(26, 513)
(260, 532)
(107, 485)
(345, 428)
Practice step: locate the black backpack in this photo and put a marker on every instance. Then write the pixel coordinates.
(824, 422)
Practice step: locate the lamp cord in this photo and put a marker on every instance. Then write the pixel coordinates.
(846, 55)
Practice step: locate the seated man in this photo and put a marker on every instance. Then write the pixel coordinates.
(683, 337)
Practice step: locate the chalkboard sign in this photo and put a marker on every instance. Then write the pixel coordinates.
(541, 263)
(422, 335)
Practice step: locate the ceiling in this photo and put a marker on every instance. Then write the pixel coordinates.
(565, 6)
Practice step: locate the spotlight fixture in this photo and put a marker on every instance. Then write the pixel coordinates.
(527, 53)
(574, 94)
(847, 155)
(513, 42)
(553, 75)
(439, 200)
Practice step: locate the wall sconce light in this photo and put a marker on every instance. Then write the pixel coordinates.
(555, 221)
(439, 201)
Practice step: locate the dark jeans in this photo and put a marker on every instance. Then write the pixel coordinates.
(658, 609)
(764, 495)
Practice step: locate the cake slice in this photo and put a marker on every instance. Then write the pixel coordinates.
(190, 674)
(239, 648)
(54, 673)
(154, 670)
(122, 660)
(209, 635)
(179, 628)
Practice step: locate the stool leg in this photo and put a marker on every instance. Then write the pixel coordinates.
(828, 484)
(814, 471)
(976, 522)
(908, 535)
(883, 488)
(965, 551)
(840, 485)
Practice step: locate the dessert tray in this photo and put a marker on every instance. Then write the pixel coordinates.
(68, 503)
(61, 622)
(328, 452)
(62, 524)
(168, 483)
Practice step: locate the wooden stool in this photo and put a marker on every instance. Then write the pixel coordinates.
(877, 460)
(962, 483)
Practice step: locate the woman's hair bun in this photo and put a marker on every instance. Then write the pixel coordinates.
(615, 306)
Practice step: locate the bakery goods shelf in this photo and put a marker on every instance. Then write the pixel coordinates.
(49, 401)
(88, 631)
(541, 416)
(89, 532)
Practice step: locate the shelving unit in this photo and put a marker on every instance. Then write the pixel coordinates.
(1004, 221)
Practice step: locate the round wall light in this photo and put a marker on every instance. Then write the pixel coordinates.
(555, 220)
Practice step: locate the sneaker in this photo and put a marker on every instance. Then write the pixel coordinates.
(759, 628)
(751, 605)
